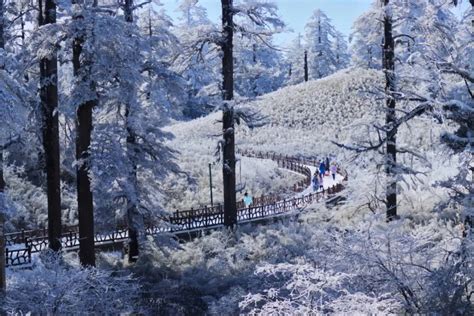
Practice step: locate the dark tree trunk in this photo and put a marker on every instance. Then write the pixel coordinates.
(2, 46)
(134, 218)
(254, 53)
(306, 77)
(50, 130)
(391, 151)
(3, 281)
(369, 51)
(230, 207)
(2, 179)
(85, 203)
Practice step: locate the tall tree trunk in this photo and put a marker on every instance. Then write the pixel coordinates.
(50, 130)
(2, 179)
(469, 221)
(85, 203)
(134, 217)
(2, 46)
(391, 150)
(230, 207)
(306, 75)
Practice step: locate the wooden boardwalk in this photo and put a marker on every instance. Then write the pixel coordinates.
(21, 245)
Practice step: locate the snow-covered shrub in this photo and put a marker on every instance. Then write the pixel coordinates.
(56, 288)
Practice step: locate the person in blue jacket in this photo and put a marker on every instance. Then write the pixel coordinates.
(322, 168)
(247, 200)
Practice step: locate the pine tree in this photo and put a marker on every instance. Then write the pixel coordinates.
(258, 67)
(228, 120)
(461, 111)
(134, 218)
(197, 61)
(3, 280)
(2, 47)
(341, 53)
(82, 68)
(295, 60)
(50, 129)
(319, 40)
(366, 39)
(135, 86)
(390, 88)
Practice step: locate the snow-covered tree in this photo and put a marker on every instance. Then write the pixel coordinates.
(198, 60)
(459, 108)
(319, 40)
(295, 60)
(258, 67)
(341, 51)
(252, 19)
(84, 100)
(366, 39)
(50, 127)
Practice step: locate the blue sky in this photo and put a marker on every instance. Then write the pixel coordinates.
(296, 13)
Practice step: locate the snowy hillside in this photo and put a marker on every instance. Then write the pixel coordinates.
(304, 119)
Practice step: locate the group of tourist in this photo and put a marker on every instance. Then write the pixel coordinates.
(324, 168)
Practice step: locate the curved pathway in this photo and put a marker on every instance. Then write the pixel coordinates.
(183, 222)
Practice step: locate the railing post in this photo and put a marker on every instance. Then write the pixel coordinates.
(190, 218)
(221, 213)
(23, 235)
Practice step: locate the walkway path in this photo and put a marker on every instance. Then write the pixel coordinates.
(182, 222)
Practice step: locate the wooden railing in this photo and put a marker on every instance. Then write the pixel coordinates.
(18, 257)
(188, 220)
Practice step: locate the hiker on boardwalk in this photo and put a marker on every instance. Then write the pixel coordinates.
(322, 168)
(315, 181)
(247, 200)
(327, 163)
(334, 170)
(321, 183)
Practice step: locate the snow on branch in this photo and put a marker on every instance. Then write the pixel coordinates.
(389, 129)
(252, 118)
(258, 19)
